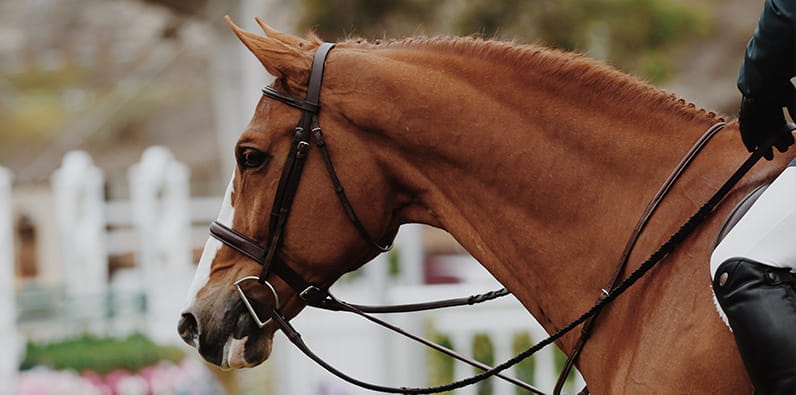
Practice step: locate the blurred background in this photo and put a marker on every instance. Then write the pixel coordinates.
(117, 124)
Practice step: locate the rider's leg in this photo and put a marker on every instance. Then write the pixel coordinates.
(753, 282)
(760, 303)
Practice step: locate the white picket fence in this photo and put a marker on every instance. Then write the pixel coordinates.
(9, 340)
(153, 225)
(161, 224)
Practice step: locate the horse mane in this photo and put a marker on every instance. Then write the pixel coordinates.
(562, 65)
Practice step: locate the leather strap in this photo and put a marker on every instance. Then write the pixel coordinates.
(302, 105)
(340, 191)
(415, 307)
(316, 75)
(237, 241)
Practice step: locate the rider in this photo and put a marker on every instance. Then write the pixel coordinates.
(752, 269)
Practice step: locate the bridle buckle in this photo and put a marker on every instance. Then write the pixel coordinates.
(301, 148)
(312, 295)
(246, 302)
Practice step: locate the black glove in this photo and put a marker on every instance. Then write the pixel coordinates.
(763, 125)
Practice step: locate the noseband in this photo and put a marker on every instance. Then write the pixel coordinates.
(316, 295)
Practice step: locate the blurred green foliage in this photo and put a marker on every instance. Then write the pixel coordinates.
(483, 352)
(102, 355)
(330, 16)
(38, 106)
(32, 110)
(440, 366)
(524, 369)
(635, 35)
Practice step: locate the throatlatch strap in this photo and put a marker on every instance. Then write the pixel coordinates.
(340, 191)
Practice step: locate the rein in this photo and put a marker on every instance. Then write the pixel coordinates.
(318, 296)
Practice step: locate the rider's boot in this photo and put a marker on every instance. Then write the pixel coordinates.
(760, 304)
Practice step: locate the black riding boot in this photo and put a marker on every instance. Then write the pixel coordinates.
(760, 302)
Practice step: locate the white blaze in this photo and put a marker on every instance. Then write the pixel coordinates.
(212, 246)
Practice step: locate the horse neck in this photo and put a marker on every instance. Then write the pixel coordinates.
(541, 179)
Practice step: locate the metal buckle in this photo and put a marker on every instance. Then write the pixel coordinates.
(260, 323)
(301, 149)
(305, 293)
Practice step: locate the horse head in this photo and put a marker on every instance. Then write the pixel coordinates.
(317, 242)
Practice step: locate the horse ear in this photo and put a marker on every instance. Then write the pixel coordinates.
(283, 55)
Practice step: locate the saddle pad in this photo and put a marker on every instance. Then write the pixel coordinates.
(738, 212)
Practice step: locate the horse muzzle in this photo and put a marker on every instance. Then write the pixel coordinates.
(232, 342)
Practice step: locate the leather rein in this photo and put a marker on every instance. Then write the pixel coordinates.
(316, 295)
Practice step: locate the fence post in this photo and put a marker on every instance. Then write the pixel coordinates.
(160, 200)
(80, 218)
(501, 345)
(9, 339)
(463, 343)
(406, 362)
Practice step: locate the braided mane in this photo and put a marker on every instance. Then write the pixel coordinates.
(565, 66)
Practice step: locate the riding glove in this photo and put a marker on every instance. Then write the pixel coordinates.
(763, 125)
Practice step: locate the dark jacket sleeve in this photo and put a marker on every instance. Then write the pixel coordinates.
(770, 59)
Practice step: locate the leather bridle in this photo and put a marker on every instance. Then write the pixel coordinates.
(316, 295)
(307, 127)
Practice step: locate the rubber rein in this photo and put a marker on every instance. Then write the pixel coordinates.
(317, 295)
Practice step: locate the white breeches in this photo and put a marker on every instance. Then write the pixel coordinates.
(767, 232)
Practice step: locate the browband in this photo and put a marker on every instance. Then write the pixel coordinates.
(291, 101)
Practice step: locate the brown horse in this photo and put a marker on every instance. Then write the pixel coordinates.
(538, 162)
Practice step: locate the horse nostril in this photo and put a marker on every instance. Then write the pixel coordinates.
(188, 329)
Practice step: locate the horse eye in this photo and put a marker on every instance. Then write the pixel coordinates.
(251, 158)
